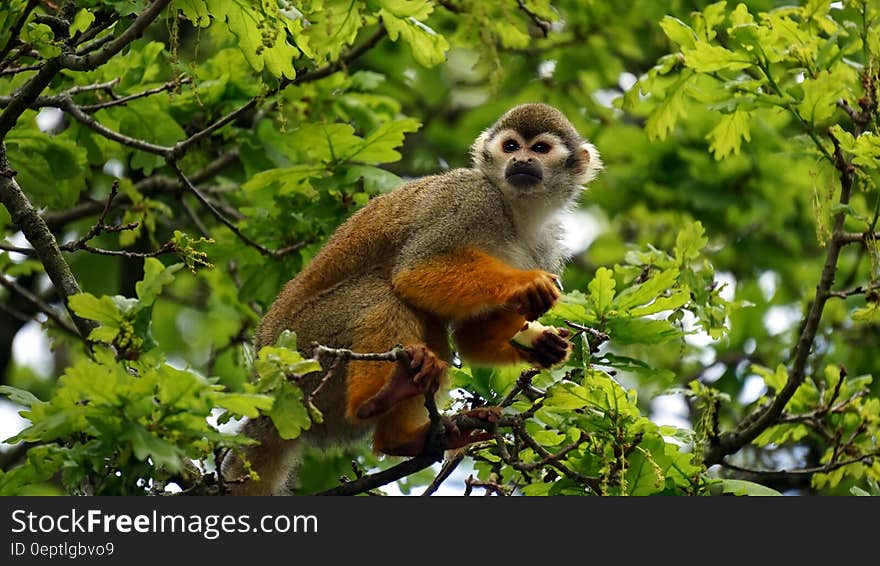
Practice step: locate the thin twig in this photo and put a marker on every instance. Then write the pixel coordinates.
(170, 85)
(95, 59)
(449, 466)
(543, 25)
(41, 305)
(783, 474)
(15, 30)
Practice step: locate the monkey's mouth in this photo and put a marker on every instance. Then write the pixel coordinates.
(523, 175)
(523, 179)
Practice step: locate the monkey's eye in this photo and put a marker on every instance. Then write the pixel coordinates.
(510, 146)
(541, 147)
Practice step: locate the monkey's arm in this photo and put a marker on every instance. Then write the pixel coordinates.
(465, 282)
(485, 340)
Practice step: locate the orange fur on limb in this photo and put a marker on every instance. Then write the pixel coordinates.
(466, 283)
(486, 339)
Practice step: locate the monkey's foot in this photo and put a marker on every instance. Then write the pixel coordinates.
(461, 428)
(421, 375)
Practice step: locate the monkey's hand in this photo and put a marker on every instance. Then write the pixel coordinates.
(461, 428)
(420, 375)
(537, 296)
(547, 347)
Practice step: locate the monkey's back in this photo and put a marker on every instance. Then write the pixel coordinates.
(447, 209)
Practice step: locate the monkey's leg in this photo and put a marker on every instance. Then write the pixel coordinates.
(403, 431)
(421, 374)
(373, 388)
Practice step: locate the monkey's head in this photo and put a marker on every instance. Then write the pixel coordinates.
(533, 150)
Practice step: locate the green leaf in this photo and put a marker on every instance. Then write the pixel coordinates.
(743, 487)
(708, 58)
(663, 118)
(689, 242)
(103, 310)
(820, 97)
(196, 11)
(379, 146)
(642, 331)
(289, 414)
(262, 37)
(156, 276)
(243, 404)
(647, 291)
(19, 396)
(428, 47)
(602, 290)
(52, 169)
(775, 380)
(726, 137)
(81, 21)
(678, 31)
(145, 445)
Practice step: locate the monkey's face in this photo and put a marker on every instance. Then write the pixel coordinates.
(543, 165)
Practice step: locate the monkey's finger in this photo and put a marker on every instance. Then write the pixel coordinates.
(555, 339)
(549, 295)
(426, 369)
(416, 356)
(552, 353)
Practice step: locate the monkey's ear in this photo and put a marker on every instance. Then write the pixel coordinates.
(591, 162)
(479, 152)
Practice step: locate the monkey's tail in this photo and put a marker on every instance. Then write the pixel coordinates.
(267, 468)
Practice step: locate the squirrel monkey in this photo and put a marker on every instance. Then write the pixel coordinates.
(473, 251)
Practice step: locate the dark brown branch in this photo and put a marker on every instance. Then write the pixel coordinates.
(67, 104)
(16, 29)
(95, 59)
(491, 486)
(397, 354)
(783, 474)
(150, 186)
(226, 221)
(449, 466)
(860, 290)
(19, 250)
(543, 25)
(756, 423)
(25, 216)
(40, 304)
(22, 69)
(587, 481)
(170, 85)
(372, 481)
(101, 227)
(857, 237)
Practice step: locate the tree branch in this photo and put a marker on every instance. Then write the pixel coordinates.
(756, 423)
(25, 216)
(94, 60)
(45, 308)
(16, 29)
